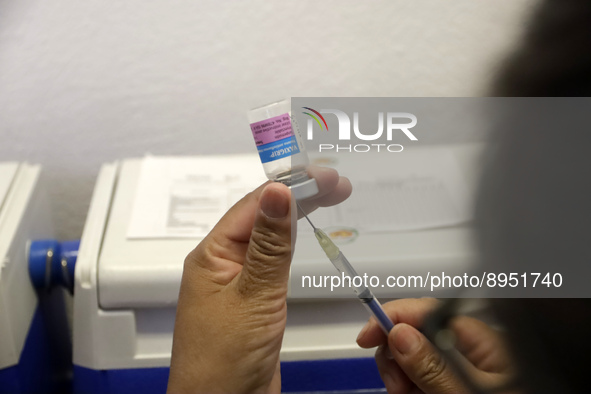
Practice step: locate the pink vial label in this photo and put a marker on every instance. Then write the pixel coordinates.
(272, 129)
(274, 138)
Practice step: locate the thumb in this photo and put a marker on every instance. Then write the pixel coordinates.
(268, 255)
(421, 362)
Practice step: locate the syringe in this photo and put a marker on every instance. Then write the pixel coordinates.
(338, 259)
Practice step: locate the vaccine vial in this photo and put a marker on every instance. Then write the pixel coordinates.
(280, 148)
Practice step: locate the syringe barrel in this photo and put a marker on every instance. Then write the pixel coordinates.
(375, 309)
(343, 265)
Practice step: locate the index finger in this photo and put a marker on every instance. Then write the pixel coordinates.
(332, 189)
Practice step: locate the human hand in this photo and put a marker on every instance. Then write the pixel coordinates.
(231, 311)
(409, 363)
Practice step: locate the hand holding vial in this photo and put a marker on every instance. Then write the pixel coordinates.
(231, 311)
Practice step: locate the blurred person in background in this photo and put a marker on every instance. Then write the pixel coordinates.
(533, 207)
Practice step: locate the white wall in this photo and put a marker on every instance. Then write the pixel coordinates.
(87, 82)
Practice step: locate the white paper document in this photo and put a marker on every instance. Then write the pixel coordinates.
(184, 197)
(417, 189)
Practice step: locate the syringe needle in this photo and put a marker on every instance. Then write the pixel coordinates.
(306, 216)
(369, 301)
(364, 294)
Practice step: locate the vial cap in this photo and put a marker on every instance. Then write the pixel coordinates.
(304, 189)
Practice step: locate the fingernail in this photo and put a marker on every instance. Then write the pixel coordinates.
(385, 350)
(274, 204)
(388, 354)
(363, 331)
(406, 339)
